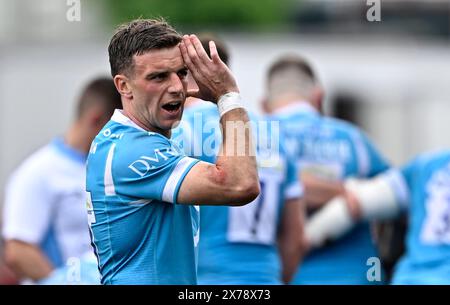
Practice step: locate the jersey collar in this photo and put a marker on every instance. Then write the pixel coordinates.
(121, 118)
(296, 107)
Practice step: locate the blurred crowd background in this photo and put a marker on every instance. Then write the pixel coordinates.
(391, 77)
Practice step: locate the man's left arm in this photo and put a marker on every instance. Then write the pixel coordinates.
(27, 216)
(291, 237)
(318, 191)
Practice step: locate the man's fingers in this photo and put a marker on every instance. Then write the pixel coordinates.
(213, 51)
(191, 51)
(199, 49)
(188, 61)
(186, 58)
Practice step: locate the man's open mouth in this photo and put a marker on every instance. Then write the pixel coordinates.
(172, 107)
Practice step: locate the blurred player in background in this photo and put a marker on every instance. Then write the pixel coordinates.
(421, 189)
(44, 217)
(259, 243)
(141, 186)
(326, 151)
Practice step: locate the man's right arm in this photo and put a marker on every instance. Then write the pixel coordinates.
(27, 260)
(26, 217)
(379, 198)
(233, 180)
(291, 238)
(317, 191)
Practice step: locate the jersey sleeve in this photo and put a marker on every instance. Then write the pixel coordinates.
(147, 167)
(408, 171)
(398, 181)
(28, 206)
(371, 162)
(293, 188)
(182, 135)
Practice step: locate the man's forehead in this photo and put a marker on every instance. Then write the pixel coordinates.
(159, 59)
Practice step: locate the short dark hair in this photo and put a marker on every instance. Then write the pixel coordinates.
(136, 38)
(222, 49)
(291, 60)
(99, 91)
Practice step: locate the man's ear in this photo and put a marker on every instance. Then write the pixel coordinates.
(96, 117)
(122, 84)
(265, 105)
(317, 98)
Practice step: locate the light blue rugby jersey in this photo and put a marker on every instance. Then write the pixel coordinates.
(423, 186)
(334, 150)
(237, 244)
(140, 234)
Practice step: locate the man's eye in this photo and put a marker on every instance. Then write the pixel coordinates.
(161, 76)
(182, 73)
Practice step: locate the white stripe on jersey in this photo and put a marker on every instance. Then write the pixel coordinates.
(171, 184)
(294, 190)
(108, 180)
(362, 156)
(140, 201)
(396, 180)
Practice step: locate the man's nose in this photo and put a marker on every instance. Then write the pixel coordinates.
(176, 84)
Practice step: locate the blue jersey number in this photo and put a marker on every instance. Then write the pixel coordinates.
(256, 222)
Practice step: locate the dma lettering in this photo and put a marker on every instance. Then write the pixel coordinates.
(145, 163)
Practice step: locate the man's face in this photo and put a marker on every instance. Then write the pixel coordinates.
(158, 87)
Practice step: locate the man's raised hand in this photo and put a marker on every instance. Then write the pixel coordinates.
(212, 76)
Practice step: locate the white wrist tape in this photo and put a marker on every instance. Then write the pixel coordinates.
(228, 102)
(376, 197)
(329, 223)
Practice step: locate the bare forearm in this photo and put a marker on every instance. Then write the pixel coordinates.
(291, 238)
(27, 261)
(35, 267)
(318, 191)
(233, 180)
(237, 154)
(290, 258)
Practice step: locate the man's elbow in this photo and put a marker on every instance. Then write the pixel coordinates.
(251, 191)
(247, 192)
